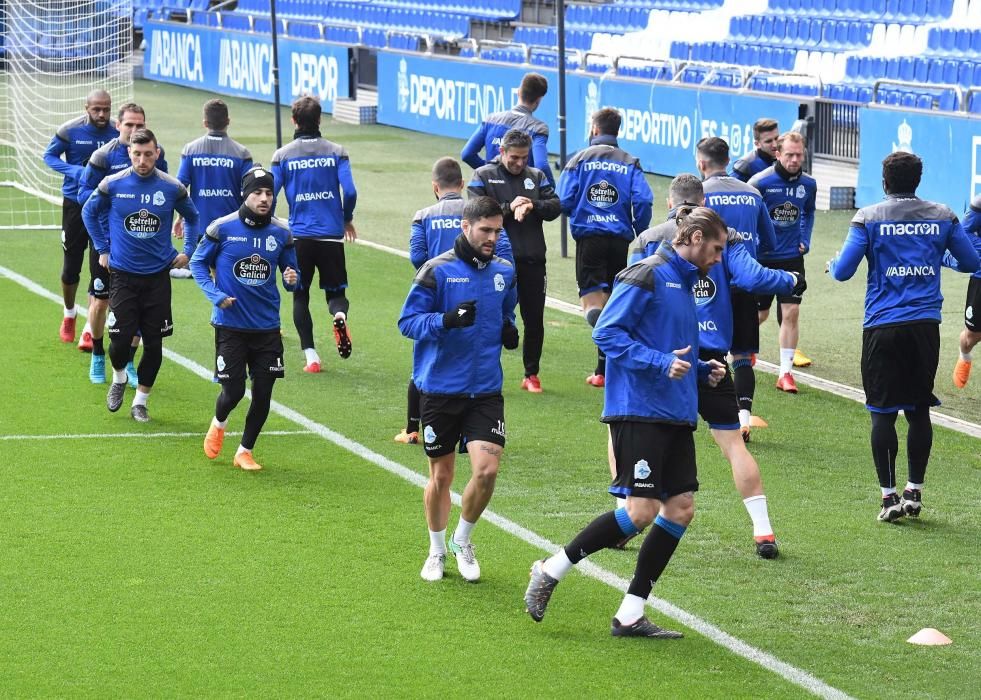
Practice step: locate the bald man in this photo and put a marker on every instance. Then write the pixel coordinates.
(68, 153)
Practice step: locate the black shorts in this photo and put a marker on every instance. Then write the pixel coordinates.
(238, 353)
(764, 301)
(745, 323)
(654, 460)
(327, 258)
(140, 303)
(74, 241)
(899, 365)
(448, 420)
(972, 305)
(598, 260)
(718, 405)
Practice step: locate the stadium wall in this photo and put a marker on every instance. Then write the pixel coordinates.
(949, 145)
(662, 123)
(240, 63)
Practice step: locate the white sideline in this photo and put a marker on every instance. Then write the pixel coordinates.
(113, 436)
(794, 675)
(836, 388)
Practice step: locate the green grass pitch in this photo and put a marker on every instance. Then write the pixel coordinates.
(135, 566)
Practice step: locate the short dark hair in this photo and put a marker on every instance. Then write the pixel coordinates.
(691, 219)
(901, 172)
(714, 150)
(447, 173)
(764, 124)
(515, 138)
(142, 136)
(686, 189)
(607, 120)
(306, 113)
(216, 114)
(534, 86)
(481, 207)
(129, 107)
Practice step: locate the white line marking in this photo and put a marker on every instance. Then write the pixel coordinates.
(842, 390)
(113, 436)
(764, 659)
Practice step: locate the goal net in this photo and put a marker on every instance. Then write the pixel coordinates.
(54, 52)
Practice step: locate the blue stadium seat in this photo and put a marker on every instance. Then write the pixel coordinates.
(921, 69)
(962, 41)
(864, 95)
(906, 69)
(939, 9)
(924, 101)
(766, 57)
(948, 101)
(793, 28)
(779, 32)
(236, 21)
(975, 105)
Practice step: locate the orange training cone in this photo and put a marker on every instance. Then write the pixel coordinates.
(930, 637)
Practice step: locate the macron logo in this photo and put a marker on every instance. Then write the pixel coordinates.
(457, 280)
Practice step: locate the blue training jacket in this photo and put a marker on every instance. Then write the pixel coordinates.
(713, 297)
(604, 192)
(111, 158)
(463, 362)
(212, 168)
(790, 201)
(750, 164)
(490, 132)
(742, 208)
(244, 255)
(140, 211)
(435, 228)
(76, 139)
(316, 175)
(651, 313)
(972, 226)
(904, 239)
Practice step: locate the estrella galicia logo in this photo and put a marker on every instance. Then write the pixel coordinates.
(252, 271)
(498, 282)
(602, 195)
(785, 213)
(704, 290)
(142, 224)
(642, 469)
(158, 198)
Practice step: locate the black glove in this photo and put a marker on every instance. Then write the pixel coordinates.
(800, 285)
(509, 336)
(462, 316)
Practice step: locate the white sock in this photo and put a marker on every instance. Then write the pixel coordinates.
(71, 313)
(786, 360)
(140, 398)
(910, 486)
(966, 356)
(119, 376)
(241, 449)
(887, 491)
(87, 328)
(463, 530)
(756, 507)
(744, 416)
(631, 609)
(340, 314)
(621, 503)
(437, 542)
(558, 565)
(219, 423)
(311, 355)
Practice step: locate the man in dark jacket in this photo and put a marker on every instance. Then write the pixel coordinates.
(527, 200)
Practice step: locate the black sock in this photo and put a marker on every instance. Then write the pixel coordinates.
(919, 442)
(337, 303)
(301, 317)
(885, 444)
(228, 399)
(412, 418)
(603, 532)
(149, 366)
(132, 352)
(744, 379)
(98, 348)
(600, 362)
(655, 553)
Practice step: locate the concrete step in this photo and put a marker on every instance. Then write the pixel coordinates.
(361, 110)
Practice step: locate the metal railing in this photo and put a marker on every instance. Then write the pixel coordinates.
(836, 129)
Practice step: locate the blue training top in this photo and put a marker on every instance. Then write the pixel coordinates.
(490, 132)
(76, 139)
(790, 202)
